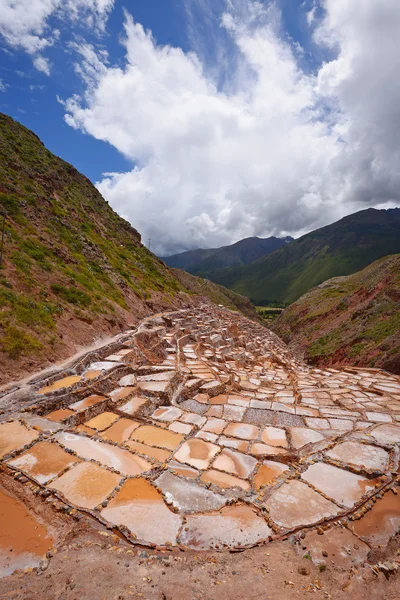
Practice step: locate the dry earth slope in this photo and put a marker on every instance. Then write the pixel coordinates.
(73, 271)
(349, 320)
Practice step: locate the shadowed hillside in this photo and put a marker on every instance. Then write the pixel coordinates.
(206, 263)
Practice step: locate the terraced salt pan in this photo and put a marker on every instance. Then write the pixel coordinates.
(259, 449)
(273, 436)
(236, 444)
(43, 461)
(223, 480)
(14, 436)
(167, 413)
(221, 399)
(156, 453)
(183, 470)
(295, 504)
(60, 415)
(89, 375)
(154, 388)
(214, 425)
(111, 456)
(100, 367)
(164, 376)
(235, 463)
(120, 431)
(381, 522)
(133, 405)
(301, 436)
(158, 437)
(24, 540)
(183, 428)
(40, 423)
(86, 485)
(87, 402)
(386, 434)
(197, 453)
(243, 431)
(232, 526)
(211, 445)
(102, 421)
(187, 496)
(140, 507)
(340, 485)
(66, 383)
(233, 413)
(127, 381)
(360, 455)
(267, 473)
(121, 393)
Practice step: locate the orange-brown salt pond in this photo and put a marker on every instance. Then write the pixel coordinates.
(23, 539)
(381, 522)
(66, 382)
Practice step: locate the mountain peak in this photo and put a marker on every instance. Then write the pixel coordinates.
(205, 262)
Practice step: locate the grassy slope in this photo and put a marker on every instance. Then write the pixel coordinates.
(353, 320)
(338, 249)
(73, 270)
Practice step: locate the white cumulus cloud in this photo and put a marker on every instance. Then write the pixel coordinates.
(25, 24)
(42, 64)
(274, 150)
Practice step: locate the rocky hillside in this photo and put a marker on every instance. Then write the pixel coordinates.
(206, 263)
(342, 248)
(73, 271)
(349, 320)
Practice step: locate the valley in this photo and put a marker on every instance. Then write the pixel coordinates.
(342, 248)
(172, 452)
(199, 300)
(154, 422)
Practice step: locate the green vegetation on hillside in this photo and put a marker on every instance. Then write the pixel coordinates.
(268, 314)
(338, 249)
(349, 320)
(72, 269)
(65, 249)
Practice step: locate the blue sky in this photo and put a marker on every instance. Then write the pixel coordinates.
(205, 121)
(30, 96)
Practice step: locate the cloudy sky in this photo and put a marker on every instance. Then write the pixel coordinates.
(206, 121)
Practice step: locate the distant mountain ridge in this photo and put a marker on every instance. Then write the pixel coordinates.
(204, 262)
(341, 248)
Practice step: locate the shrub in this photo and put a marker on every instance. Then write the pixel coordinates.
(16, 342)
(72, 295)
